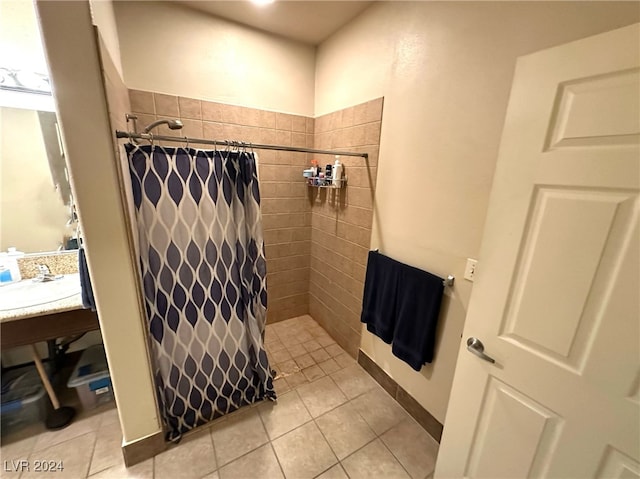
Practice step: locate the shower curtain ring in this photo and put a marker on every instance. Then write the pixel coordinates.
(151, 139)
(186, 139)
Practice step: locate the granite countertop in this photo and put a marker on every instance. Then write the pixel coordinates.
(66, 304)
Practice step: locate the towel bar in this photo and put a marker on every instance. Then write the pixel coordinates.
(447, 282)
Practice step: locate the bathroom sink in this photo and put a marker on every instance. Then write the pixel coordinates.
(26, 293)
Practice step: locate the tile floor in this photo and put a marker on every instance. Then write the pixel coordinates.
(331, 420)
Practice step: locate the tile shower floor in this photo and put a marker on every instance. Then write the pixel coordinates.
(331, 420)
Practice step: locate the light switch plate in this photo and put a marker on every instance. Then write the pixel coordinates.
(470, 269)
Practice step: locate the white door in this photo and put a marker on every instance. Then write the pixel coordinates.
(556, 297)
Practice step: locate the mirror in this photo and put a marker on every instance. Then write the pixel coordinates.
(36, 204)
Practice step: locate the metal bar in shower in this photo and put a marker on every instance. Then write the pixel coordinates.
(257, 146)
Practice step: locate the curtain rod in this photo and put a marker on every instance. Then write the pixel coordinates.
(257, 146)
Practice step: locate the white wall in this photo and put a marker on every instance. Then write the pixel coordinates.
(172, 49)
(104, 17)
(445, 70)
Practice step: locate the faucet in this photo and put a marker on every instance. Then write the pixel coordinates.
(44, 274)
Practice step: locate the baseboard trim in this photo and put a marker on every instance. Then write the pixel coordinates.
(413, 407)
(143, 449)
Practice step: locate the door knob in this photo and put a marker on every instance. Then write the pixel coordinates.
(475, 346)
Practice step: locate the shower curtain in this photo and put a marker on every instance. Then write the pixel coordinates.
(203, 274)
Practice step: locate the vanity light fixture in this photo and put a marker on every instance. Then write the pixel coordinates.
(262, 3)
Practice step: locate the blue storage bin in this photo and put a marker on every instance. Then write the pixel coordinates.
(91, 378)
(23, 399)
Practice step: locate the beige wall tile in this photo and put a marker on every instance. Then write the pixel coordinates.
(266, 136)
(299, 123)
(190, 108)
(372, 133)
(267, 119)
(211, 111)
(213, 131)
(166, 105)
(347, 117)
(283, 137)
(191, 128)
(284, 121)
(360, 114)
(374, 110)
(142, 102)
(310, 122)
(298, 139)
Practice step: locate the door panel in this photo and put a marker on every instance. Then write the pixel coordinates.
(511, 416)
(556, 299)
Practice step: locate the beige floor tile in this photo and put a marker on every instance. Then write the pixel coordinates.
(334, 350)
(109, 416)
(317, 330)
(276, 346)
(297, 379)
(336, 472)
(321, 396)
(193, 457)
(303, 452)
(345, 430)
(325, 340)
(261, 463)
(311, 345)
(284, 415)
(108, 450)
(290, 339)
(380, 410)
(296, 350)
(238, 436)
(80, 426)
(281, 386)
(213, 475)
(345, 360)
(17, 447)
(74, 455)
(313, 373)
(320, 355)
(374, 460)
(354, 381)
(329, 366)
(280, 356)
(305, 336)
(413, 447)
(270, 336)
(304, 361)
(143, 470)
(287, 367)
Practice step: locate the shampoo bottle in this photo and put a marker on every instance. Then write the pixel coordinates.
(336, 174)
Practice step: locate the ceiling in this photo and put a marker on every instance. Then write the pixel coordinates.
(305, 21)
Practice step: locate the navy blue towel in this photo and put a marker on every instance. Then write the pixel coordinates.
(88, 301)
(417, 308)
(378, 301)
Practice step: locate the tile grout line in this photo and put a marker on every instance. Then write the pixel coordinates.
(384, 444)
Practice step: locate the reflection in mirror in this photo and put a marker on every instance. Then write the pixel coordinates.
(36, 205)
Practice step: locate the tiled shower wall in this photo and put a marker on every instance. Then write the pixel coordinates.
(341, 222)
(286, 212)
(316, 240)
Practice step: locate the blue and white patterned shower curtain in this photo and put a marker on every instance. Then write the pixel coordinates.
(203, 273)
